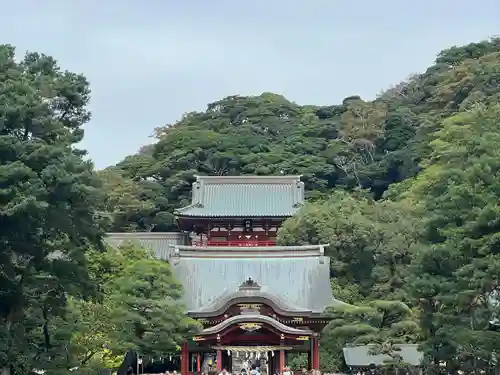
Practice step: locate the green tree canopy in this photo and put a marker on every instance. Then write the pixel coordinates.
(370, 243)
(403, 188)
(456, 272)
(149, 314)
(357, 143)
(48, 202)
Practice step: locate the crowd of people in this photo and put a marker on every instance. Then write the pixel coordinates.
(253, 371)
(256, 371)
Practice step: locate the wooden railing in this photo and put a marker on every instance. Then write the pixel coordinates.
(247, 243)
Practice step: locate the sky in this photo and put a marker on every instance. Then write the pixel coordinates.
(150, 61)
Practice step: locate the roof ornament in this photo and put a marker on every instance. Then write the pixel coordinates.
(322, 254)
(249, 284)
(174, 256)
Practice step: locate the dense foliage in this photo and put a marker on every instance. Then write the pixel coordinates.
(48, 201)
(55, 313)
(405, 188)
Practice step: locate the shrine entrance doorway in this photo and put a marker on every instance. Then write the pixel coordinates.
(241, 359)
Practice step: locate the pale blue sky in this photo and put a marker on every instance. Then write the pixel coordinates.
(150, 61)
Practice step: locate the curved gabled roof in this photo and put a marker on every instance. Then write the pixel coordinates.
(255, 318)
(250, 291)
(245, 196)
(224, 301)
(294, 278)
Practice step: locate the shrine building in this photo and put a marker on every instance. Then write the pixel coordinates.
(257, 301)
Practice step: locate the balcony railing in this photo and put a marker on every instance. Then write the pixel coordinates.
(247, 243)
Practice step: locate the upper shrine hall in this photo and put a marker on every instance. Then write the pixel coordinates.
(257, 301)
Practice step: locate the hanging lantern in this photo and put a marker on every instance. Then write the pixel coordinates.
(272, 353)
(247, 226)
(228, 352)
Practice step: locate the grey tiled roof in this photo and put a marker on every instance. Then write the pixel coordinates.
(358, 356)
(158, 242)
(303, 282)
(245, 196)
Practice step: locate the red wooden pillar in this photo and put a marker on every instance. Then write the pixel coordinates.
(184, 358)
(219, 360)
(315, 353)
(198, 363)
(282, 355)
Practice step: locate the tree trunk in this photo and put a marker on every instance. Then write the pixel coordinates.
(5, 370)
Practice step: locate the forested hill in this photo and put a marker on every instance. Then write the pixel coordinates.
(353, 144)
(405, 189)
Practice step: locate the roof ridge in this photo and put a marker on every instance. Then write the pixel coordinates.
(251, 176)
(212, 252)
(225, 298)
(252, 248)
(248, 179)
